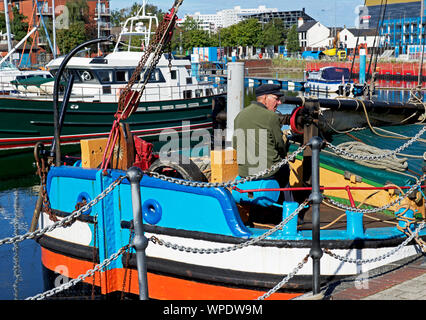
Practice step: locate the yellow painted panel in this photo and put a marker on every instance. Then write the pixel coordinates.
(328, 178)
(92, 152)
(224, 165)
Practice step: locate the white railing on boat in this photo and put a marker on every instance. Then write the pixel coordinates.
(108, 94)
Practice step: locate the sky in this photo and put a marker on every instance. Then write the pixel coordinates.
(328, 12)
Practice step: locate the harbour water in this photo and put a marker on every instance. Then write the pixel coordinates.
(20, 263)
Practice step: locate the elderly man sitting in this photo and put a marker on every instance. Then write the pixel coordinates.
(258, 138)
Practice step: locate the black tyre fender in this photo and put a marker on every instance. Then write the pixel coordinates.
(185, 169)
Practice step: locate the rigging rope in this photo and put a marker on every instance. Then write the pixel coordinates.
(391, 163)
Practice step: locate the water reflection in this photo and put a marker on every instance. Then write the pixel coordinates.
(18, 225)
(20, 264)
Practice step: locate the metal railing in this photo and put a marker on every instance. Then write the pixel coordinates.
(107, 94)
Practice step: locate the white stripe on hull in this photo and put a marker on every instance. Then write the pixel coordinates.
(257, 259)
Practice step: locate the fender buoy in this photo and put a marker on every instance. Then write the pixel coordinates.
(293, 125)
(84, 196)
(151, 211)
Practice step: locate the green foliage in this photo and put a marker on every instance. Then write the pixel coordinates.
(78, 11)
(81, 27)
(119, 16)
(2, 22)
(293, 40)
(274, 33)
(248, 33)
(67, 39)
(18, 26)
(191, 36)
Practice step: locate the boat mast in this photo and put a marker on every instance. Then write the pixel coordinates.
(54, 29)
(9, 37)
(99, 26)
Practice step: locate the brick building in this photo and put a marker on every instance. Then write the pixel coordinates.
(98, 12)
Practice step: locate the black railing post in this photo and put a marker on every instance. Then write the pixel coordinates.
(140, 242)
(316, 198)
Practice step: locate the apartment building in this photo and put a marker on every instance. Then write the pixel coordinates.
(224, 18)
(37, 10)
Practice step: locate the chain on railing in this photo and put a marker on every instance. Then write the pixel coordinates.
(252, 241)
(387, 206)
(81, 277)
(364, 157)
(285, 279)
(67, 220)
(384, 256)
(230, 183)
(245, 244)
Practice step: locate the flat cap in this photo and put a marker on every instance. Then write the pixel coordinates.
(268, 89)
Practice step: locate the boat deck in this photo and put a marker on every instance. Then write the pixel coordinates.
(330, 218)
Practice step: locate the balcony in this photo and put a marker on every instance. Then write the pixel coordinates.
(103, 11)
(105, 25)
(42, 41)
(45, 11)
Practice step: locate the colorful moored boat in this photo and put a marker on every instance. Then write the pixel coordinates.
(210, 240)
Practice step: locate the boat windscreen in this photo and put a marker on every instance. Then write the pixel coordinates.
(335, 73)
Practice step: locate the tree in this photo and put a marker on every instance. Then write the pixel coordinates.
(78, 11)
(190, 35)
(273, 33)
(293, 40)
(18, 26)
(247, 33)
(70, 38)
(81, 27)
(2, 22)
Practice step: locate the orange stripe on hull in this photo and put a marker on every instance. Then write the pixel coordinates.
(159, 286)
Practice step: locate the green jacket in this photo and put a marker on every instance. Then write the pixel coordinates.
(265, 135)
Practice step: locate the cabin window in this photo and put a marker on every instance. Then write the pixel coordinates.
(104, 76)
(67, 73)
(189, 80)
(187, 94)
(209, 92)
(86, 76)
(155, 77)
(106, 89)
(173, 74)
(198, 93)
(121, 76)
